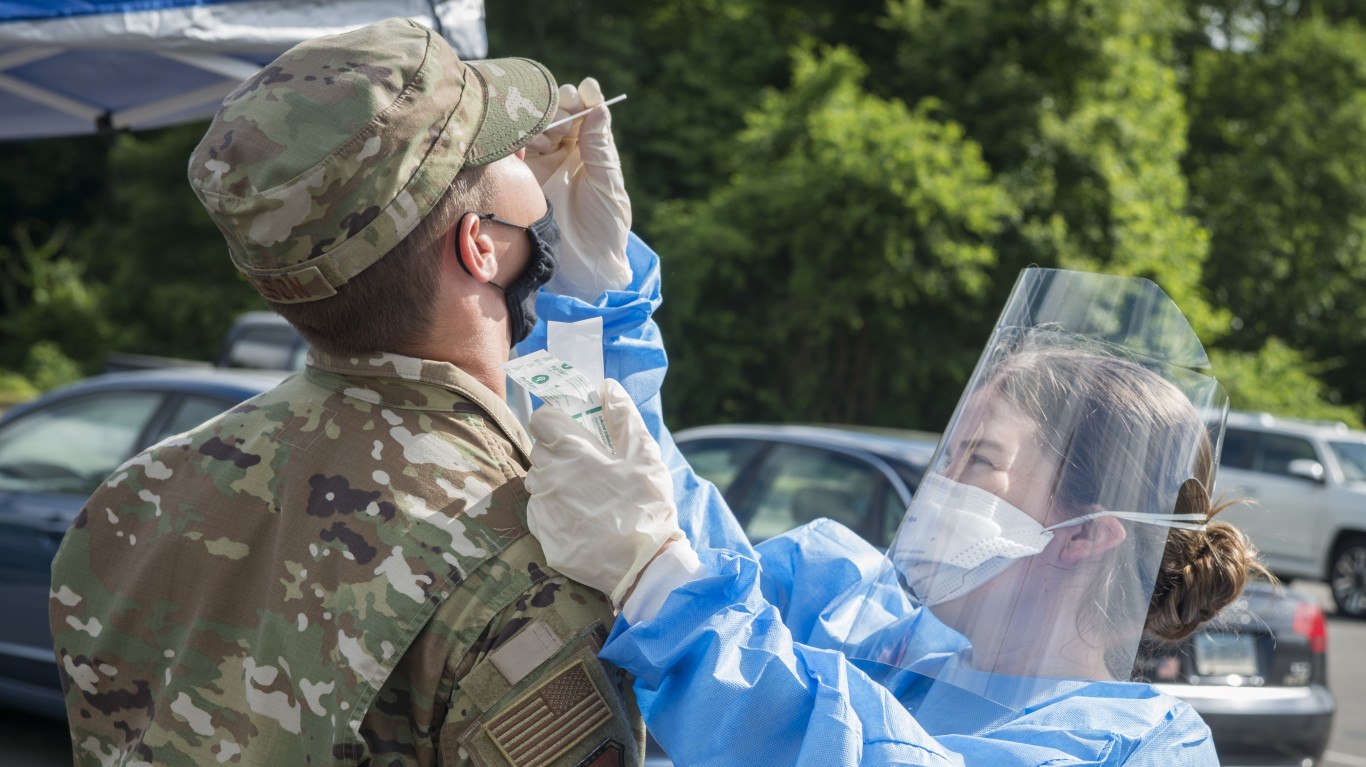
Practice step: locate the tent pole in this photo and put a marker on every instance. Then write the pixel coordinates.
(231, 68)
(138, 116)
(22, 56)
(48, 98)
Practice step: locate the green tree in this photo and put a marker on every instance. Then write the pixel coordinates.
(109, 250)
(840, 226)
(55, 326)
(840, 274)
(45, 183)
(1277, 379)
(1078, 112)
(692, 70)
(1076, 108)
(1278, 154)
(171, 288)
(1246, 26)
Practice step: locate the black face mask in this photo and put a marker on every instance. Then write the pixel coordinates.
(520, 294)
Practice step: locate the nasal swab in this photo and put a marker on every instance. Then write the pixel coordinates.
(577, 115)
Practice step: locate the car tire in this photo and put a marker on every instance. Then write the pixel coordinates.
(1347, 576)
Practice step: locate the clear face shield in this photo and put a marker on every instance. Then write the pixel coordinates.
(1028, 557)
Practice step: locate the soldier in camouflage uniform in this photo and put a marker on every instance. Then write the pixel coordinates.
(338, 571)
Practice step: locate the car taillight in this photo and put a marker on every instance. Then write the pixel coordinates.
(1309, 624)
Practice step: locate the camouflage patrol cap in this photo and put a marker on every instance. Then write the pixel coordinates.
(321, 163)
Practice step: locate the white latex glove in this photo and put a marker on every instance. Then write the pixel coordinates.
(580, 172)
(600, 518)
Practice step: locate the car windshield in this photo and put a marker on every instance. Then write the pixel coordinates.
(1352, 457)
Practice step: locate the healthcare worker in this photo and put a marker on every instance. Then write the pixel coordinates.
(1064, 517)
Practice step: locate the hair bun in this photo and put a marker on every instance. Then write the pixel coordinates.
(1201, 574)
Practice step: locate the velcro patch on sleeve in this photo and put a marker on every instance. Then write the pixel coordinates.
(526, 651)
(550, 719)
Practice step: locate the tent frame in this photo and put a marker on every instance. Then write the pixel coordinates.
(225, 66)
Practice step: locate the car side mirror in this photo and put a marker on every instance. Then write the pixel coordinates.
(1306, 468)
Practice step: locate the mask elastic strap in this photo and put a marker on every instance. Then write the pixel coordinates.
(1194, 522)
(460, 256)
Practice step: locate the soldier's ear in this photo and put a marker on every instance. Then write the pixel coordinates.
(471, 249)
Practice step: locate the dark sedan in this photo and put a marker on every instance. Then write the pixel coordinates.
(53, 452)
(1257, 673)
(776, 478)
(1258, 676)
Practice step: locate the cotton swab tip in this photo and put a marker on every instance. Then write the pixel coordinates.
(577, 115)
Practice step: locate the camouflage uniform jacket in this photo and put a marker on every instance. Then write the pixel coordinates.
(337, 571)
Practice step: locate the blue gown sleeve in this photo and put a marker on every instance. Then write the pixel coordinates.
(721, 679)
(633, 353)
(721, 682)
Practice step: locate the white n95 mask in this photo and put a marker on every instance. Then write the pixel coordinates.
(961, 536)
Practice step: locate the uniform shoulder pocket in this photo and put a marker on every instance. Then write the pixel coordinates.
(546, 701)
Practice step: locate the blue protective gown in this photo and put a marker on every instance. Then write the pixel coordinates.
(735, 668)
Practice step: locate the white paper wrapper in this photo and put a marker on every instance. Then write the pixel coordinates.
(560, 385)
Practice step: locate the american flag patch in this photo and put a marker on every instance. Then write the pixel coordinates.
(550, 719)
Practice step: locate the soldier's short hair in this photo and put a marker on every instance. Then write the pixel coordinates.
(388, 307)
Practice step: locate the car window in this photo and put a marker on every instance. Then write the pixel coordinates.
(893, 507)
(893, 511)
(192, 411)
(1352, 457)
(796, 484)
(1274, 453)
(719, 460)
(270, 347)
(299, 359)
(72, 446)
(1237, 452)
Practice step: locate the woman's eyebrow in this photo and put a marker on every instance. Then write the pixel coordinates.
(976, 443)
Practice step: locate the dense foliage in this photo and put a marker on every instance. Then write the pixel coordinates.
(843, 196)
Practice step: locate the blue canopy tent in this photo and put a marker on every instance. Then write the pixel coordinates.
(69, 67)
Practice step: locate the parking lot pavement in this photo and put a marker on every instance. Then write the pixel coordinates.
(1347, 679)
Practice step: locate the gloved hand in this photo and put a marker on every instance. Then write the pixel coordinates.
(600, 518)
(580, 172)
